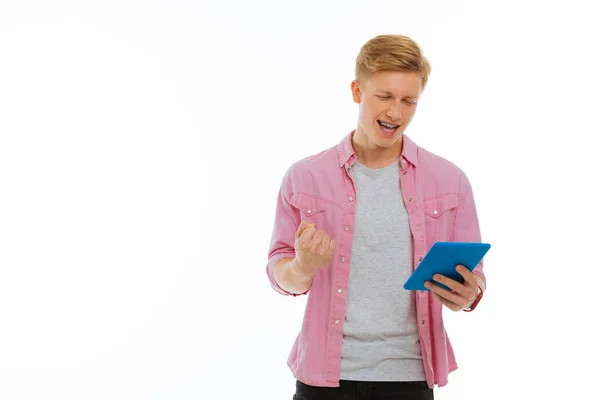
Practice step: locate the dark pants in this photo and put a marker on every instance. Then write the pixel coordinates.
(353, 390)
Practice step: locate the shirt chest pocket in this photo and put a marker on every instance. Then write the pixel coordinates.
(311, 210)
(440, 213)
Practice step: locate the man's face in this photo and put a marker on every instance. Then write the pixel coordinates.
(387, 102)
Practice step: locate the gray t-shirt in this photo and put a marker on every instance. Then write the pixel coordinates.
(381, 341)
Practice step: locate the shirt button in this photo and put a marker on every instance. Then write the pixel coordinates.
(346, 228)
(420, 258)
(435, 212)
(418, 228)
(343, 259)
(340, 290)
(351, 198)
(423, 322)
(308, 211)
(337, 321)
(410, 199)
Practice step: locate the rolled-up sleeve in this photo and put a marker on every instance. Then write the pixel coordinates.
(285, 226)
(466, 224)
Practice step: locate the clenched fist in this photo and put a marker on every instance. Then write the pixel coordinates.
(314, 249)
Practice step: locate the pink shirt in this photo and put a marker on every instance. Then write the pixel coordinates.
(318, 189)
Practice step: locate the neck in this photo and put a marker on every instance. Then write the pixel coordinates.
(371, 155)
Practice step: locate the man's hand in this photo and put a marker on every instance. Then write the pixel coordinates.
(462, 294)
(314, 249)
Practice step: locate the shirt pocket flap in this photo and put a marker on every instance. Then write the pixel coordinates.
(309, 206)
(438, 206)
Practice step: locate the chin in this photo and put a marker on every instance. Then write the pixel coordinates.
(386, 141)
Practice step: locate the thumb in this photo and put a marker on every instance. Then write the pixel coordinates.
(303, 226)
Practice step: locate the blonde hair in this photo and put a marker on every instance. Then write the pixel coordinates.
(391, 53)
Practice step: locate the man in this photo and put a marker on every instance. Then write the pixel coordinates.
(352, 223)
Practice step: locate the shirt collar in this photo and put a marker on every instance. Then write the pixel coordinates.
(346, 153)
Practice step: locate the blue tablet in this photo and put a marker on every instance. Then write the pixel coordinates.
(442, 258)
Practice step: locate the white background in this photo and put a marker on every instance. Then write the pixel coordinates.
(142, 144)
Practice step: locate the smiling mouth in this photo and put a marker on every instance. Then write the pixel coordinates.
(387, 127)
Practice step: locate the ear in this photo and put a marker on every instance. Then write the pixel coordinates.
(356, 92)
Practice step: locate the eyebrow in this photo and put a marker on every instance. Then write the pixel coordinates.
(391, 94)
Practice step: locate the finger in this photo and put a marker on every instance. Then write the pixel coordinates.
(307, 235)
(452, 284)
(326, 239)
(324, 246)
(468, 275)
(302, 228)
(446, 294)
(447, 303)
(316, 240)
(332, 247)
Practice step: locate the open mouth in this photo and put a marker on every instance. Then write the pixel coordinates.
(387, 127)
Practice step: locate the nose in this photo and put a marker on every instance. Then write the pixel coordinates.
(394, 112)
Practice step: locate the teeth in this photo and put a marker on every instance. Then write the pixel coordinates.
(388, 125)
